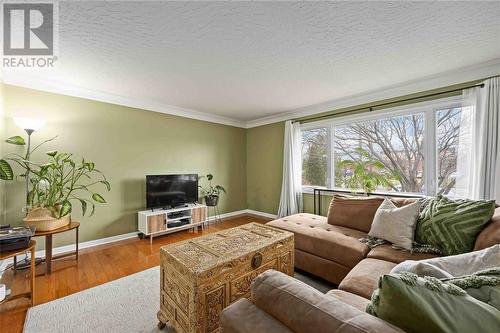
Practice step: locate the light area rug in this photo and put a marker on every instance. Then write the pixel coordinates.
(128, 304)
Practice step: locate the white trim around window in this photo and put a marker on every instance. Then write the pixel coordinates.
(428, 109)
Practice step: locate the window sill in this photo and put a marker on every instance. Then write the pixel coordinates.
(310, 190)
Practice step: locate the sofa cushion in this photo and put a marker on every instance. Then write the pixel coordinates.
(315, 236)
(490, 235)
(324, 268)
(388, 253)
(353, 300)
(353, 212)
(256, 320)
(304, 309)
(362, 280)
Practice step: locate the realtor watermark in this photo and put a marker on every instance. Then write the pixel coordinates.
(29, 34)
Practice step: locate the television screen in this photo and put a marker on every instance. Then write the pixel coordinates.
(165, 191)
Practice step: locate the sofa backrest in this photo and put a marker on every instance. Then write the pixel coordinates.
(490, 235)
(358, 212)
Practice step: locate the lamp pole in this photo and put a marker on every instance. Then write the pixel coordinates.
(27, 184)
(30, 125)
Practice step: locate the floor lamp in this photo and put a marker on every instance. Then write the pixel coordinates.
(30, 125)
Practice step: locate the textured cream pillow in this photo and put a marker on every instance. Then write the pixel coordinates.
(396, 225)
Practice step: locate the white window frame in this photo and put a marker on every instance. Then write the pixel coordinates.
(428, 109)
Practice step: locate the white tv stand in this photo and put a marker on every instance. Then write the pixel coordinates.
(152, 223)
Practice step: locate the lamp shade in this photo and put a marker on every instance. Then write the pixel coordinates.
(34, 124)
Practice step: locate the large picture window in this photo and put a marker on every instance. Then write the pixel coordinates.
(408, 150)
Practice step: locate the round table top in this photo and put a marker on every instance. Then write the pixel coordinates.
(72, 225)
(8, 254)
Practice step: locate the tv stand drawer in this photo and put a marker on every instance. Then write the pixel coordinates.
(156, 223)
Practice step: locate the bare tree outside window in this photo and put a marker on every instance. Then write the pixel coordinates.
(447, 135)
(395, 142)
(394, 148)
(314, 157)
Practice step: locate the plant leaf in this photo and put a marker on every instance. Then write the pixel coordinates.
(93, 208)
(6, 172)
(90, 166)
(210, 176)
(65, 208)
(106, 183)
(379, 165)
(52, 153)
(220, 188)
(62, 156)
(84, 206)
(98, 198)
(16, 140)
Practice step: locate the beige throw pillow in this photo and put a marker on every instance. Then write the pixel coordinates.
(396, 225)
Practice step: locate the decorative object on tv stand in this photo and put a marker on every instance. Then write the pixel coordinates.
(55, 184)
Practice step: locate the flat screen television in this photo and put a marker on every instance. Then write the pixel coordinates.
(166, 191)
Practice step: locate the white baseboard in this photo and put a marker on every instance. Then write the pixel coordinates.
(107, 240)
(262, 214)
(225, 216)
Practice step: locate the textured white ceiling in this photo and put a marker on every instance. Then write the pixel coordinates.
(247, 60)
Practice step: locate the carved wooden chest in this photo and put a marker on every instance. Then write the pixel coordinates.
(201, 276)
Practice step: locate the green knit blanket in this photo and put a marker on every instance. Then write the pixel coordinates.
(373, 242)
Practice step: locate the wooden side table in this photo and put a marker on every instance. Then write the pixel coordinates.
(48, 244)
(9, 254)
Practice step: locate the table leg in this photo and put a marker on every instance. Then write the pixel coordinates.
(48, 253)
(15, 263)
(77, 244)
(32, 276)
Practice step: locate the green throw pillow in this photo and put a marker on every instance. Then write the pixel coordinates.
(452, 225)
(483, 285)
(426, 304)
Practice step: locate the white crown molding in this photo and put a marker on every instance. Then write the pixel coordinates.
(464, 74)
(26, 81)
(469, 73)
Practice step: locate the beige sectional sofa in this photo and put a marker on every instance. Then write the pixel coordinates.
(329, 247)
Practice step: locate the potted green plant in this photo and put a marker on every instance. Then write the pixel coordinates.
(211, 193)
(55, 185)
(368, 173)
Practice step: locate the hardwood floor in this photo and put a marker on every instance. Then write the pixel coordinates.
(96, 265)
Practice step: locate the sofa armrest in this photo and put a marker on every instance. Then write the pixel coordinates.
(244, 317)
(304, 309)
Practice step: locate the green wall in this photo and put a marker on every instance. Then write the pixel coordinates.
(126, 144)
(3, 202)
(265, 170)
(264, 167)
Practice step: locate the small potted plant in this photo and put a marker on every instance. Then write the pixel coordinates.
(55, 185)
(211, 192)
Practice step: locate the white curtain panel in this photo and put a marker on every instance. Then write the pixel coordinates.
(478, 164)
(291, 187)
